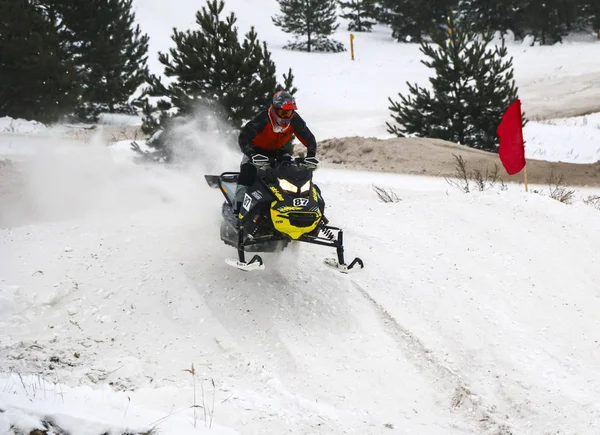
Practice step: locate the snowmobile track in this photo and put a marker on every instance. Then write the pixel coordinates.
(424, 358)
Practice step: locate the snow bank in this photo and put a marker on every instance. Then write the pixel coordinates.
(457, 325)
(575, 140)
(21, 126)
(34, 402)
(118, 119)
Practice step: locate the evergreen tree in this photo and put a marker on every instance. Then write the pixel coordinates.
(288, 83)
(568, 11)
(37, 80)
(108, 48)
(212, 69)
(411, 20)
(312, 21)
(472, 87)
(360, 11)
(588, 15)
(492, 15)
(545, 20)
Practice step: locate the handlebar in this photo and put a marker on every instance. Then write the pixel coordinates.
(280, 161)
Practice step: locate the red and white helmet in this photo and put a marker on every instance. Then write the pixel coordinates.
(284, 100)
(282, 110)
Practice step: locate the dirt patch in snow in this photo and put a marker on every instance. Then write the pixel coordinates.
(435, 157)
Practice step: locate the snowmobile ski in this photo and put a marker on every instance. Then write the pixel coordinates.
(255, 264)
(344, 268)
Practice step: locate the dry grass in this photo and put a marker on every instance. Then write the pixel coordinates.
(558, 190)
(476, 180)
(593, 201)
(386, 195)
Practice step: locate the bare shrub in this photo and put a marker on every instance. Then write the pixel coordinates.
(386, 195)
(11, 128)
(5, 162)
(558, 190)
(461, 175)
(132, 133)
(593, 201)
(467, 181)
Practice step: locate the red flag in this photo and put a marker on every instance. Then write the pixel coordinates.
(512, 146)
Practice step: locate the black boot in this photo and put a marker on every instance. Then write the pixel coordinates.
(238, 201)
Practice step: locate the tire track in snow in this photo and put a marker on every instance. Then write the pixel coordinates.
(463, 397)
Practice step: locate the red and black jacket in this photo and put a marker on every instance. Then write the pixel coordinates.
(258, 137)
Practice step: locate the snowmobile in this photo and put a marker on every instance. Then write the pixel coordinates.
(282, 206)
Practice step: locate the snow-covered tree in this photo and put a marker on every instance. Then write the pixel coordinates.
(472, 87)
(546, 20)
(361, 13)
(493, 15)
(589, 15)
(37, 79)
(411, 20)
(312, 22)
(211, 68)
(109, 50)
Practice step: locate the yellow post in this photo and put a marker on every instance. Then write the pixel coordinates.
(352, 45)
(525, 178)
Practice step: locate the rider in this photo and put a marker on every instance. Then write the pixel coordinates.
(267, 136)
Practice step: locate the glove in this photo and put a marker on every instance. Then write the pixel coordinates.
(260, 160)
(312, 162)
(270, 174)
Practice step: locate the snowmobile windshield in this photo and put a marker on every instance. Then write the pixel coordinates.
(295, 174)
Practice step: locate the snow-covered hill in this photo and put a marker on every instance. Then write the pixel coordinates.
(340, 97)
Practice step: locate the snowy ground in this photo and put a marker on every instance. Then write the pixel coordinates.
(468, 318)
(575, 139)
(475, 314)
(36, 402)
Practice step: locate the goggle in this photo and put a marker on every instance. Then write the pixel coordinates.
(284, 113)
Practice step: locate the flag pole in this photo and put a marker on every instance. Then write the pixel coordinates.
(525, 166)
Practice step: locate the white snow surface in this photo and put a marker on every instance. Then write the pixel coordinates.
(21, 126)
(119, 119)
(575, 139)
(475, 314)
(35, 402)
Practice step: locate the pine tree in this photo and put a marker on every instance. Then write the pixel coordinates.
(472, 87)
(588, 15)
(312, 21)
(492, 15)
(37, 80)
(545, 20)
(360, 11)
(411, 20)
(212, 69)
(108, 48)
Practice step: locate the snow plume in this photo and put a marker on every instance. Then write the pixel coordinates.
(65, 179)
(204, 140)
